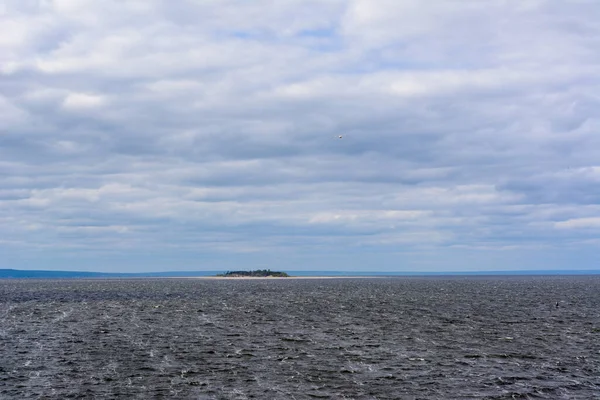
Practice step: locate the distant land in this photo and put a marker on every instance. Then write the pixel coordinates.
(259, 273)
(20, 273)
(49, 274)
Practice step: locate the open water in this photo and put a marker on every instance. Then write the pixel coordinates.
(385, 338)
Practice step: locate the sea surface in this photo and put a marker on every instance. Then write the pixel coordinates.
(368, 338)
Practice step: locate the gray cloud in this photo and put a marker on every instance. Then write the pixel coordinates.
(205, 134)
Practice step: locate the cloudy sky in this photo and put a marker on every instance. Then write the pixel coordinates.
(146, 135)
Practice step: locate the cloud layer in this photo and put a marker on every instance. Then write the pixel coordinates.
(139, 135)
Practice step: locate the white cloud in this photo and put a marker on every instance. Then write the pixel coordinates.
(82, 101)
(212, 128)
(579, 223)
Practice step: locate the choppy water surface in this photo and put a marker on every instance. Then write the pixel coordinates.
(391, 338)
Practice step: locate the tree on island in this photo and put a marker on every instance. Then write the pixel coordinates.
(260, 273)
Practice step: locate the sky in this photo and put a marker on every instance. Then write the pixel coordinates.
(159, 135)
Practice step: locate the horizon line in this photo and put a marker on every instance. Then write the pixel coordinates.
(7, 272)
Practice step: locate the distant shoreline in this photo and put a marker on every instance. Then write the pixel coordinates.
(212, 274)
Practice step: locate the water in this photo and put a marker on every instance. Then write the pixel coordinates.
(385, 338)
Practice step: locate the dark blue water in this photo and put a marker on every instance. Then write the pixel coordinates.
(386, 338)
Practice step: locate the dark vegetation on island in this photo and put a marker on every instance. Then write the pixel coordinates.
(257, 274)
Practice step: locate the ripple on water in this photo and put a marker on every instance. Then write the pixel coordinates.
(280, 339)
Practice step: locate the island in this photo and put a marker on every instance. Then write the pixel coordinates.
(259, 273)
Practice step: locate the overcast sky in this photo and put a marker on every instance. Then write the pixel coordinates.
(147, 135)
